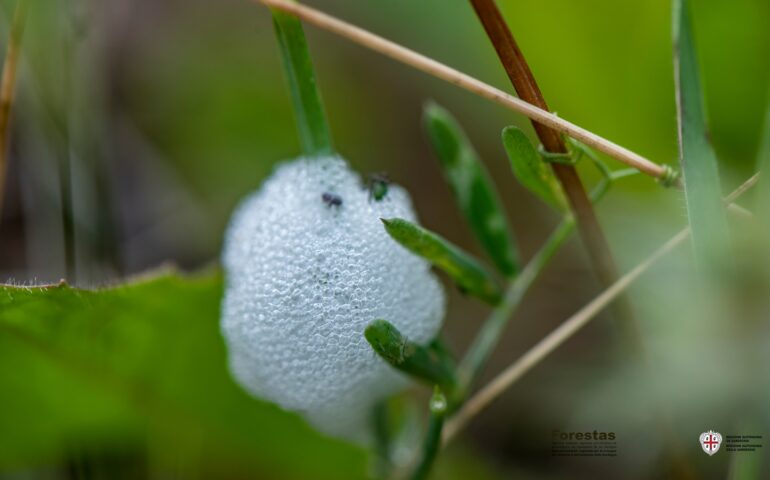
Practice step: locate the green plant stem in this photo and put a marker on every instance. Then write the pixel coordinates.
(489, 336)
(762, 198)
(382, 439)
(432, 442)
(314, 134)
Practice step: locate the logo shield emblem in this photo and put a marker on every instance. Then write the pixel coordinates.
(710, 442)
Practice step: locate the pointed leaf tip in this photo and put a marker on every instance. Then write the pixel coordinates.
(472, 187)
(459, 265)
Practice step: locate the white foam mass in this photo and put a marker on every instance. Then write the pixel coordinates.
(305, 278)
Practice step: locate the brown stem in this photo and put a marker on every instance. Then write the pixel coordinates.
(8, 87)
(526, 87)
(397, 52)
(588, 225)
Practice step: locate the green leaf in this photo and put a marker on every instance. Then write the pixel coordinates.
(142, 368)
(531, 171)
(314, 133)
(745, 467)
(697, 158)
(430, 364)
(461, 267)
(473, 189)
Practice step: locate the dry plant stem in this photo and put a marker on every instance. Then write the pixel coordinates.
(8, 88)
(565, 331)
(546, 346)
(462, 80)
(587, 223)
(742, 188)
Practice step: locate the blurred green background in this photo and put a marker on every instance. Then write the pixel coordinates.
(141, 123)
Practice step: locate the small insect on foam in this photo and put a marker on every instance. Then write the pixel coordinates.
(290, 270)
(377, 184)
(331, 200)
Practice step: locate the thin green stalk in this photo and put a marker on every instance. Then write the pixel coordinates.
(382, 439)
(487, 339)
(314, 134)
(432, 442)
(489, 336)
(762, 199)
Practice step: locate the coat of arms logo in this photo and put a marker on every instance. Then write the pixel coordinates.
(710, 442)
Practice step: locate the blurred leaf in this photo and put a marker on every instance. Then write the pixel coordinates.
(763, 166)
(696, 156)
(745, 467)
(311, 119)
(461, 267)
(472, 187)
(141, 362)
(531, 171)
(430, 364)
(457, 462)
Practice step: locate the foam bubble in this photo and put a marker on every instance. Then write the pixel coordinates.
(304, 277)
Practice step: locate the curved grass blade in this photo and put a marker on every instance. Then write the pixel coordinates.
(430, 364)
(314, 134)
(697, 158)
(531, 170)
(472, 187)
(461, 267)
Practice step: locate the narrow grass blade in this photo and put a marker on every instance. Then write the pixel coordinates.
(432, 442)
(696, 155)
(531, 170)
(460, 266)
(430, 364)
(313, 128)
(763, 165)
(473, 189)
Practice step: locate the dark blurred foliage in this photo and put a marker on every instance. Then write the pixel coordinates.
(141, 123)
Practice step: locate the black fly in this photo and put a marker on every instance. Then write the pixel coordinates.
(331, 199)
